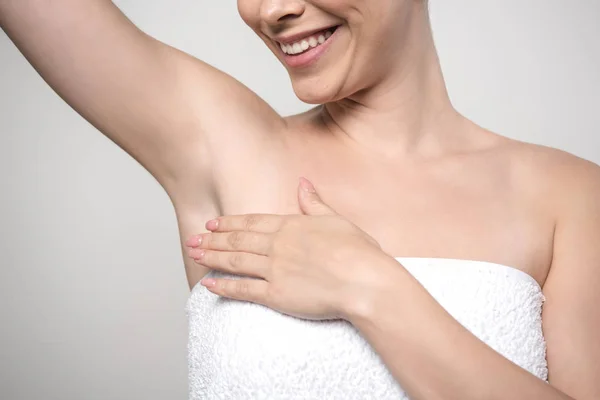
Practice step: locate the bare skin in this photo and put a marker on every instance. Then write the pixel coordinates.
(452, 203)
(395, 158)
(465, 204)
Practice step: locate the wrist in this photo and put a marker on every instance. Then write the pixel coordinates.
(379, 287)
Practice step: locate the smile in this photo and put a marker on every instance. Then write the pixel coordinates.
(309, 42)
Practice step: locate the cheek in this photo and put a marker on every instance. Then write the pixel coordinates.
(337, 5)
(249, 10)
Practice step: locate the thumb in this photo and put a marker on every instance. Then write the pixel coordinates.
(309, 200)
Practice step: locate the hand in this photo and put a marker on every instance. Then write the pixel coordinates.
(315, 265)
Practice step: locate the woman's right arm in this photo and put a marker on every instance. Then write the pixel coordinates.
(168, 110)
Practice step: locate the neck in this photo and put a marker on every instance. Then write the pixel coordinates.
(407, 112)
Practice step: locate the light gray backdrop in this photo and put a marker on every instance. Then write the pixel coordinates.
(80, 220)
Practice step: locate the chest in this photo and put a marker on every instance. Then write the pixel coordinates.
(464, 210)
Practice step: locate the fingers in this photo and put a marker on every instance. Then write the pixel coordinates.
(249, 242)
(237, 263)
(262, 223)
(254, 290)
(235, 252)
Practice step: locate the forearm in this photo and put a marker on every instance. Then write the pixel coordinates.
(432, 355)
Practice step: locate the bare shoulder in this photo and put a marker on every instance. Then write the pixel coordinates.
(553, 172)
(561, 171)
(561, 193)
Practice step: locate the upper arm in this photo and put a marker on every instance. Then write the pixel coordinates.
(162, 106)
(571, 313)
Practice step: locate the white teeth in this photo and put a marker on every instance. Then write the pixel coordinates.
(305, 44)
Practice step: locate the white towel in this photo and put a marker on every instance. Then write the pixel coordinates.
(240, 350)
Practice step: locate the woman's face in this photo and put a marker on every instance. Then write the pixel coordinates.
(332, 48)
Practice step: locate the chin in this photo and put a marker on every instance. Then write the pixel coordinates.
(315, 95)
(320, 89)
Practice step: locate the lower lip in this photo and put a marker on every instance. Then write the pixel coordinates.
(309, 57)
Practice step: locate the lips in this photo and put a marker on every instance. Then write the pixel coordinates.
(306, 52)
(307, 42)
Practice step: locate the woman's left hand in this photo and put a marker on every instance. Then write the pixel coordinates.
(316, 265)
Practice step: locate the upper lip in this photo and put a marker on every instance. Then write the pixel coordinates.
(289, 39)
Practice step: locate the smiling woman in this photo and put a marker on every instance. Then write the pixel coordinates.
(379, 245)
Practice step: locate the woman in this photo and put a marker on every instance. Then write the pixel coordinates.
(312, 298)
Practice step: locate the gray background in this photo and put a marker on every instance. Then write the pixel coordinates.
(80, 221)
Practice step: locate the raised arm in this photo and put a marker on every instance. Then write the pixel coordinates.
(165, 108)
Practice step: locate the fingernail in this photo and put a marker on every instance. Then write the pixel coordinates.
(196, 253)
(307, 186)
(212, 225)
(208, 282)
(194, 241)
